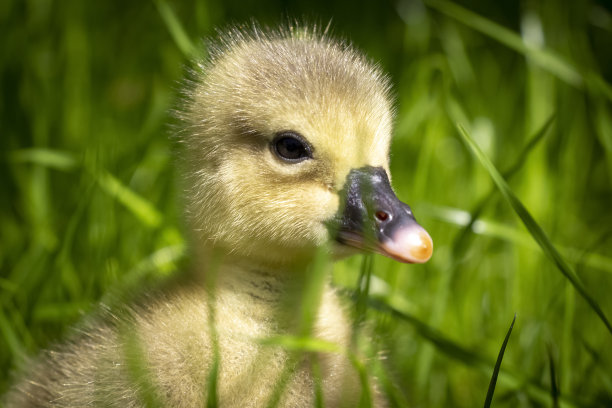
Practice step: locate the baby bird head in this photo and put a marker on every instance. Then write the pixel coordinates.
(287, 137)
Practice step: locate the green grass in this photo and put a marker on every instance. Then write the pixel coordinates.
(91, 206)
(500, 357)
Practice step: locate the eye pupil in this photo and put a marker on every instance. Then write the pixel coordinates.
(290, 147)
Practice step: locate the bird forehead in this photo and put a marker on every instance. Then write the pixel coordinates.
(310, 76)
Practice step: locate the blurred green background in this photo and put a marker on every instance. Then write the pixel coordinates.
(90, 201)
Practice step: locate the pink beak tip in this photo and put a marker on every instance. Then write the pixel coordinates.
(410, 245)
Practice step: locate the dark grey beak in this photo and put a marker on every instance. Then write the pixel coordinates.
(372, 218)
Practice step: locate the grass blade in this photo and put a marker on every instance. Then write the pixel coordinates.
(212, 388)
(55, 159)
(456, 351)
(313, 288)
(212, 398)
(533, 142)
(533, 227)
(175, 28)
(139, 206)
(447, 346)
(554, 389)
(139, 370)
(11, 338)
(363, 289)
(546, 59)
(315, 366)
(494, 229)
(461, 240)
(302, 344)
(500, 357)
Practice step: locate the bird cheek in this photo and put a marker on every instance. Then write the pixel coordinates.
(327, 201)
(320, 205)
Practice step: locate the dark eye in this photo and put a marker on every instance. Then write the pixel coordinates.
(291, 147)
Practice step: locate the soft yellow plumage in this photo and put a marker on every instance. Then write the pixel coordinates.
(282, 131)
(254, 86)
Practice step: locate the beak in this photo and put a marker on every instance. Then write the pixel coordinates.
(374, 219)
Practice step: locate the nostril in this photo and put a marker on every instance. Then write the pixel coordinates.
(382, 215)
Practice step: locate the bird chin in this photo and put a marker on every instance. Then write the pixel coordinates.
(341, 251)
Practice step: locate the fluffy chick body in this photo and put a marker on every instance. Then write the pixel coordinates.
(263, 218)
(175, 344)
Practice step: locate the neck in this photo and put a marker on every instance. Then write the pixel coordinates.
(264, 293)
(266, 302)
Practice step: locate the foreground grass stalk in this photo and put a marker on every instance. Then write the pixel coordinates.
(500, 357)
(533, 227)
(458, 352)
(461, 241)
(138, 369)
(554, 389)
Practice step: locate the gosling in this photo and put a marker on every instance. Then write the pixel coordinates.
(286, 136)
